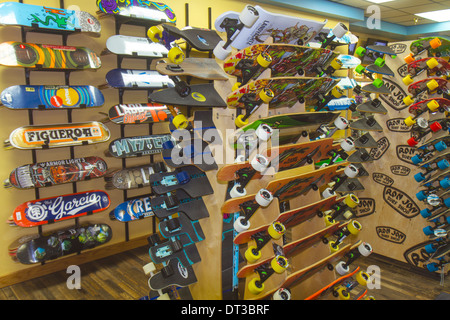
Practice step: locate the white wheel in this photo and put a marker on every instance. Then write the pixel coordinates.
(263, 132)
(220, 52)
(351, 171)
(149, 268)
(264, 197)
(341, 268)
(239, 158)
(348, 144)
(365, 249)
(340, 30)
(249, 16)
(235, 193)
(341, 123)
(164, 296)
(239, 226)
(348, 214)
(282, 294)
(328, 193)
(259, 163)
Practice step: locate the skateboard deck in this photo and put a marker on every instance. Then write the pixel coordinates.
(57, 135)
(366, 124)
(178, 275)
(282, 28)
(135, 46)
(443, 50)
(43, 211)
(138, 146)
(372, 107)
(51, 173)
(144, 10)
(419, 86)
(36, 249)
(51, 97)
(132, 178)
(137, 79)
(202, 68)
(170, 249)
(200, 95)
(416, 67)
(138, 113)
(42, 17)
(421, 106)
(286, 91)
(47, 56)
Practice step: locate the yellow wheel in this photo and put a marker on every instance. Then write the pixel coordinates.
(235, 86)
(337, 92)
(343, 294)
(239, 122)
(409, 121)
(354, 227)
(264, 60)
(408, 80)
(433, 105)
(370, 298)
(279, 264)
(333, 246)
(276, 230)
(155, 33)
(408, 100)
(252, 255)
(432, 63)
(351, 200)
(362, 278)
(180, 121)
(176, 55)
(255, 287)
(336, 64)
(266, 95)
(432, 85)
(329, 221)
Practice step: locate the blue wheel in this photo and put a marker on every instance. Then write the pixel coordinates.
(421, 195)
(416, 159)
(440, 146)
(183, 177)
(168, 145)
(445, 183)
(430, 248)
(443, 164)
(428, 231)
(433, 267)
(425, 213)
(419, 177)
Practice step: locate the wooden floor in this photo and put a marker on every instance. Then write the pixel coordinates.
(120, 277)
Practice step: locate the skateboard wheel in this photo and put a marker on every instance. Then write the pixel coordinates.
(363, 278)
(239, 158)
(329, 221)
(360, 69)
(149, 268)
(432, 63)
(264, 60)
(282, 294)
(342, 293)
(379, 62)
(407, 80)
(354, 227)
(412, 142)
(443, 164)
(425, 213)
(259, 163)
(167, 145)
(360, 51)
(348, 214)
(164, 296)
(328, 192)
(264, 197)
(365, 249)
(239, 122)
(220, 52)
(435, 126)
(435, 43)
(351, 171)
(432, 85)
(428, 231)
(239, 226)
(351, 200)
(176, 55)
(337, 92)
(237, 191)
(433, 267)
(340, 30)
(347, 145)
(409, 121)
(421, 195)
(336, 64)
(279, 264)
(255, 287)
(430, 248)
(333, 246)
(409, 58)
(433, 105)
(419, 177)
(378, 83)
(276, 230)
(183, 177)
(180, 121)
(266, 95)
(155, 33)
(445, 183)
(408, 100)
(252, 254)
(263, 132)
(416, 159)
(342, 268)
(248, 16)
(341, 123)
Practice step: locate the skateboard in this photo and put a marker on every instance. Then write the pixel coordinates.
(51, 173)
(254, 25)
(433, 66)
(197, 38)
(136, 79)
(144, 10)
(138, 113)
(174, 273)
(281, 292)
(372, 106)
(138, 146)
(282, 59)
(47, 56)
(202, 68)
(57, 135)
(44, 97)
(429, 86)
(42, 17)
(134, 46)
(132, 178)
(376, 53)
(43, 211)
(36, 248)
(435, 46)
(429, 105)
(161, 206)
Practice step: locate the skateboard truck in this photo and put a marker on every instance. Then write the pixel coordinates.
(262, 199)
(244, 175)
(430, 231)
(350, 171)
(277, 265)
(335, 93)
(347, 145)
(378, 83)
(428, 152)
(252, 102)
(432, 44)
(338, 32)
(350, 201)
(354, 227)
(363, 249)
(434, 127)
(275, 231)
(441, 165)
(430, 87)
(423, 194)
(251, 70)
(339, 124)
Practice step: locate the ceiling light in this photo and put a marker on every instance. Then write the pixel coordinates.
(439, 15)
(379, 1)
